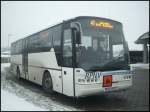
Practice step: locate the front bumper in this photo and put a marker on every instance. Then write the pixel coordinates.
(95, 89)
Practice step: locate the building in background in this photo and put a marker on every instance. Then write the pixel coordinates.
(144, 39)
(5, 55)
(136, 56)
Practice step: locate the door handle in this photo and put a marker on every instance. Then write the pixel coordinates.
(65, 72)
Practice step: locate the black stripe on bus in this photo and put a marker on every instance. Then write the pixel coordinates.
(74, 81)
(16, 63)
(45, 67)
(40, 67)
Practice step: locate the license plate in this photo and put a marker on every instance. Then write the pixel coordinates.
(107, 81)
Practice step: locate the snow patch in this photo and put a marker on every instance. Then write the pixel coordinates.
(11, 102)
(5, 55)
(33, 96)
(4, 66)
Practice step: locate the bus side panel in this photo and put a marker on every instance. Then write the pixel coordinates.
(43, 60)
(57, 80)
(16, 60)
(40, 62)
(35, 74)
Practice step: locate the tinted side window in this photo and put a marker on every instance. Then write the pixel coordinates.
(40, 42)
(45, 39)
(33, 43)
(12, 49)
(57, 38)
(67, 48)
(57, 43)
(16, 48)
(20, 47)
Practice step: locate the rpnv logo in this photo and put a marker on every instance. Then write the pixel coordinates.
(92, 75)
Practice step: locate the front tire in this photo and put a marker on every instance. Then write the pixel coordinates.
(47, 83)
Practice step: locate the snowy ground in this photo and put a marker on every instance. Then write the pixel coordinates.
(4, 66)
(11, 102)
(24, 95)
(17, 97)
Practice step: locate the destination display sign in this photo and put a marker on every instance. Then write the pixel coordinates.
(102, 24)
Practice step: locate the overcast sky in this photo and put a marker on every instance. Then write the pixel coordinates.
(20, 18)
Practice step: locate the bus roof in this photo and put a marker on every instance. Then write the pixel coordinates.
(85, 17)
(69, 20)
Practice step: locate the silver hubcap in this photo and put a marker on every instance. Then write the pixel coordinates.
(47, 82)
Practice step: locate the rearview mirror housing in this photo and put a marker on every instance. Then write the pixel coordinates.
(76, 28)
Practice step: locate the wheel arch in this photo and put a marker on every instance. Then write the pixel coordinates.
(50, 73)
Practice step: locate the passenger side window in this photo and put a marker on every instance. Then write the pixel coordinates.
(57, 38)
(40, 42)
(57, 43)
(67, 48)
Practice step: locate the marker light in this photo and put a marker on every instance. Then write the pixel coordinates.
(107, 81)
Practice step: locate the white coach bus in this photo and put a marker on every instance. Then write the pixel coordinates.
(78, 57)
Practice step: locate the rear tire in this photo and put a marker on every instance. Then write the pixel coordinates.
(47, 83)
(18, 73)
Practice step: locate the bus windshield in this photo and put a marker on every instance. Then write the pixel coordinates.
(101, 49)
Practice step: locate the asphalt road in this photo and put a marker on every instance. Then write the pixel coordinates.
(135, 99)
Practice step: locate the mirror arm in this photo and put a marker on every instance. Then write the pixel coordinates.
(77, 30)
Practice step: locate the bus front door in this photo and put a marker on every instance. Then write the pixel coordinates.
(67, 74)
(67, 70)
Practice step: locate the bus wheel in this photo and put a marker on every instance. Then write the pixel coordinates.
(18, 73)
(47, 83)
